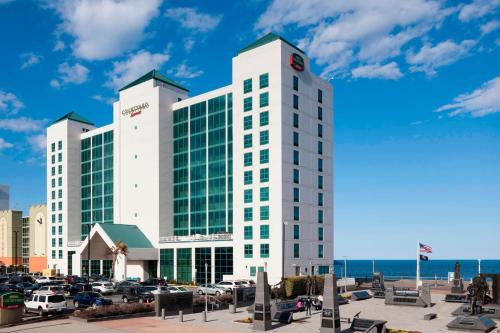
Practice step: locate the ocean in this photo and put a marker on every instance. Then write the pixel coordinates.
(397, 269)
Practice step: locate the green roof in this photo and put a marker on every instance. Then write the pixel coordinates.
(154, 74)
(75, 117)
(127, 233)
(270, 37)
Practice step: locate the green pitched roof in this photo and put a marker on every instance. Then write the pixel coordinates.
(127, 233)
(154, 74)
(270, 37)
(75, 117)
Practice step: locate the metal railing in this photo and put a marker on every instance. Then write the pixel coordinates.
(74, 243)
(197, 238)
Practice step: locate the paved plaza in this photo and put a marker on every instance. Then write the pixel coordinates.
(398, 317)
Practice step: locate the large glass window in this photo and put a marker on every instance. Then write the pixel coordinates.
(247, 140)
(264, 175)
(320, 147)
(264, 137)
(247, 86)
(247, 104)
(247, 122)
(264, 80)
(264, 194)
(264, 250)
(248, 250)
(320, 216)
(248, 213)
(320, 182)
(320, 199)
(320, 130)
(247, 232)
(247, 159)
(167, 264)
(264, 231)
(264, 213)
(184, 265)
(264, 118)
(223, 262)
(264, 99)
(247, 177)
(247, 195)
(320, 164)
(202, 256)
(264, 156)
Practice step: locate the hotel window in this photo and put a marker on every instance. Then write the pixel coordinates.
(295, 83)
(295, 120)
(248, 214)
(60, 254)
(59, 194)
(264, 137)
(53, 218)
(296, 250)
(264, 213)
(59, 169)
(295, 139)
(59, 181)
(53, 147)
(247, 232)
(320, 216)
(264, 156)
(247, 177)
(296, 213)
(247, 122)
(320, 147)
(253, 271)
(53, 242)
(320, 96)
(320, 250)
(53, 254)
(264, 250)
(60, 205)
(320, 233)
(264, 175)
(320, 130)
(248, 251)
(264, 231)
(53, 206)
(320, 199)
(296, 231)
(296, 194)
(320, 164)
(320, 182)
(247, 195)
(263, 80)
(247, 140)
(53, 159)
(59, 145)
(59, 230)
(53, 171)
(59, 157)
(264, 100)
(264, 118)
(60, 242)
(320, 113)
(59, 218)
(247, 159)
(247, 104)
(53, 231)
(264, 194)
(296, 176)
(247, 86)
(295, 157)
(296, 102)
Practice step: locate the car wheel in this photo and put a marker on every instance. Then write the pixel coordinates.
(26, 309)
(125, 299)
(40, 312)
(200, 292)
(76, 304)
(217, 293)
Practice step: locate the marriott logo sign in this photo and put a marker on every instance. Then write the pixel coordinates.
(135, 110)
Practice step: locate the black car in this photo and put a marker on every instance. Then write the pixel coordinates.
(123, 285)
(153, 282)
(79, 287)
(26, 288)
(140, 295)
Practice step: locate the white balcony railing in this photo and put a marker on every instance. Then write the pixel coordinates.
(197, 238)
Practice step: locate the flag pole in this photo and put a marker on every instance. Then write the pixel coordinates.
(418, 264)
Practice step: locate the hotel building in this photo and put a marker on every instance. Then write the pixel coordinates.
(240, 178)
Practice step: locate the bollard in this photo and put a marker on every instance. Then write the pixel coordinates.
(181, 316)
(204, 316)
(163, 314)
(232, 308)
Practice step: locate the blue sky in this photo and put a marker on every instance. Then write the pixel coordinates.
(416, 98)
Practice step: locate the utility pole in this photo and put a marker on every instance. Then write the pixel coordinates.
(206, 289)
(15, 232)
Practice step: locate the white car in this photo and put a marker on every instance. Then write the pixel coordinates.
(44, 279)
(45, 304)
(230, 284)
(157, 289)
(174, 289)
(103, 287)
(247, 283)
(49, 290)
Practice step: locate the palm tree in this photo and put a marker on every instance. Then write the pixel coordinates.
(119, 248)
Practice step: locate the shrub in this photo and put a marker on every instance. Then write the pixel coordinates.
(113, 310)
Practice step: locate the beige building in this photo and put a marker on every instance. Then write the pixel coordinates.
(11, 238)
(38, 238)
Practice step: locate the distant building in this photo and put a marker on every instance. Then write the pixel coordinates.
(37, 232)
(4, 197)
(11, 238)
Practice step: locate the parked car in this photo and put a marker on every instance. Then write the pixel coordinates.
(45, 304)
(230, 284)
(122, 285)
(175, 289)
(103, 287)
(247, 283)
(157, 289)
(50, 290)
(8, 287)
(140, 295)
(154, 282)
(45, 279)
(79, 287)
(90, 298)
(212, 289)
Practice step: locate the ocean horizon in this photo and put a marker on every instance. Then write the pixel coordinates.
(406, 268)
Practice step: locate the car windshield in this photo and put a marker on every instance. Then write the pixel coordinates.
(108, 284)
(56, 299)
(149, 288)
(95, 295)
(237, 283)
(182, 289)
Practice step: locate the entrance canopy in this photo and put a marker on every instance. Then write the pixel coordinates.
(105, 236)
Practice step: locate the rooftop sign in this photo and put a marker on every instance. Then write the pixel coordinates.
(297, 62)
(135, 110)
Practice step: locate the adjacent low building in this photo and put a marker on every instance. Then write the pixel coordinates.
(239, 178)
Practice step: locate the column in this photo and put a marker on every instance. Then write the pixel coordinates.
(212, 266)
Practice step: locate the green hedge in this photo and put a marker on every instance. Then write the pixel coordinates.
(297, 285)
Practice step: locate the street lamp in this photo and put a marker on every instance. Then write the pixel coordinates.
(206, 290)
(479, 266)
(15, 232)
(345, 273)
(285, 223)
(373, 266)
(88, 254)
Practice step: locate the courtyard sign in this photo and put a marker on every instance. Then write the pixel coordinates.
(297, 62)
(11, 300)
(135, 110)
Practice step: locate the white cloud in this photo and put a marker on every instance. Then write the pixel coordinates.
(477, 9)
(103, 29)
(490, 26)
(191, 18)
(22, 124)
(9, 103)
(183, 71)
(76, 74)
(29, 59)
(429, 57)
(481, 102)
(4, 144)
(134, 67)
(389, 71)
(59, 46)
(107, 100)
(189, 44)
(343, 34)
(38, 142)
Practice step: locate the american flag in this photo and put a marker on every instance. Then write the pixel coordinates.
(425, 248)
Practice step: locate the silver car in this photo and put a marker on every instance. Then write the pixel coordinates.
(212, 289)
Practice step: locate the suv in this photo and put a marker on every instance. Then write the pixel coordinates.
(45, 304)
(103, 287)
(140, 295)
(90, 298)
(79, 287)
(122, 286)
(154, 282)
(229, 284)
(50, 290)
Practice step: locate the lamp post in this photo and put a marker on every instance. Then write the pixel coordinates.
(88, 255)
(479, 266)
(282, 249)
(15, 232)
(206, 289)
(345, 273)
(373, 266)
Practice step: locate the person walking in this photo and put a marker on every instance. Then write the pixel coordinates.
(308, 306)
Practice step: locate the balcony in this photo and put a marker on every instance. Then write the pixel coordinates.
(197, 238)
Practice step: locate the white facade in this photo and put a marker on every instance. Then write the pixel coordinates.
(143, 171)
